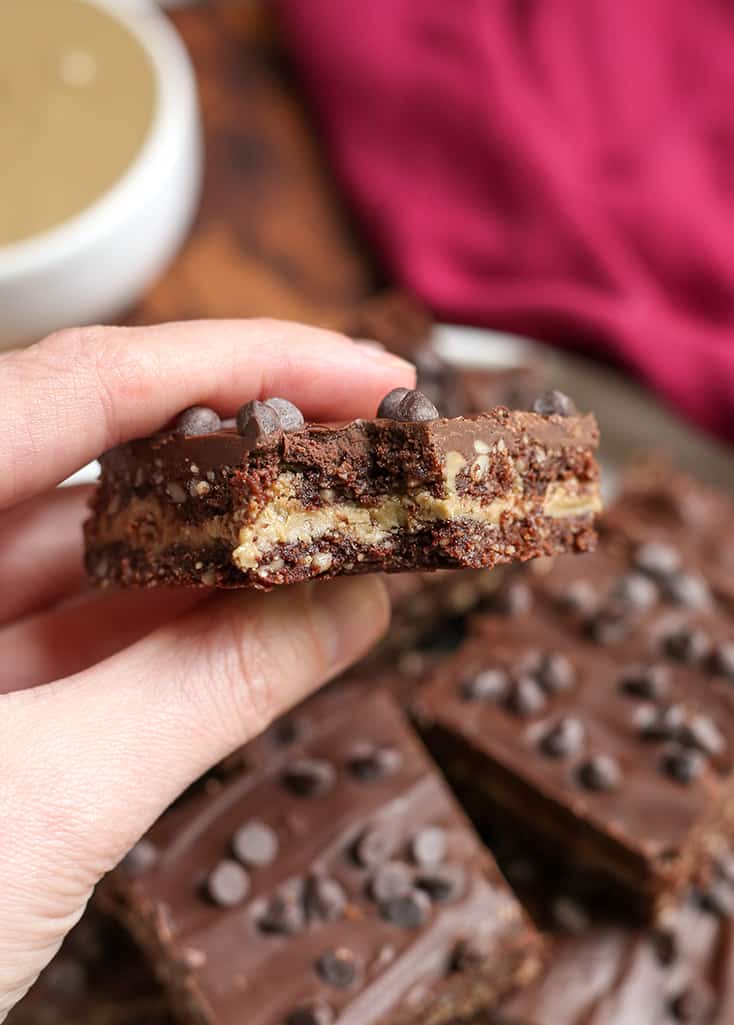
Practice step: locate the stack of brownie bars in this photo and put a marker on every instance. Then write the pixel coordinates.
(579, 714)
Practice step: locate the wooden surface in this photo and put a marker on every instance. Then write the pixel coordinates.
(273, 236)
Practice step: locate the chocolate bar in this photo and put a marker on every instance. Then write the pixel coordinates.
(601, 717)
(335, 880)
(274, 500)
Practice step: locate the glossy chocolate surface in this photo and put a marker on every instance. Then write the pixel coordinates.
(350, 792)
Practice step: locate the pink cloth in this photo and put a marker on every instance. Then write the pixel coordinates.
(560, 168)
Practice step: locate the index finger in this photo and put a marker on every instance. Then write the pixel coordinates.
(79, 392)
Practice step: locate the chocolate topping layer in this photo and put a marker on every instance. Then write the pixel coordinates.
(322, 925)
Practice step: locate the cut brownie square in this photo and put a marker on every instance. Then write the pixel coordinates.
(275, 500)
(602, 718)
(336, 880)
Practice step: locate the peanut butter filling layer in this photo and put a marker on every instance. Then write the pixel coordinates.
(284, 520)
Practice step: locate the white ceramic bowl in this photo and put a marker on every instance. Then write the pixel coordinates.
(95, 265)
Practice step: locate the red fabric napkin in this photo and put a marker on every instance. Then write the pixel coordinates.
(560, 168)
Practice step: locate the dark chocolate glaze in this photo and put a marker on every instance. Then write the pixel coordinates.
(219, 961)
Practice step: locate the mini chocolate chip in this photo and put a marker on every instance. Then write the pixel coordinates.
(442, 883)
(580, 596)
(662, 723)
(311, 1014)
(409, 911)
(486, 685)
(368, 763)
(388, 408)
(665, 944)
(526, 697)
(689, 589)
(721, 660)
(682, 764)
(393, 879)
(287, 731)
(600, 772)
(607, 627)
(415, 406)
(556, 673)
(228, 884)
(309, 777)
(687, 644)
(428, 846)
(66, 977)
(290, 416)
(197, 420)
(324, 898)
(554, 403)
(563, 739)
(139, 858)
(255, 844)
(695, 1004)
(284, 914)
(702, 733)
(339, 968)
(373, 847)
(657, 558)
(257, 423)
(718, 898)
(514, 599)
(634, 592)
(569, 916)
(651, 681)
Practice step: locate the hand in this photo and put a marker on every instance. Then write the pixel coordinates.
(111, 703)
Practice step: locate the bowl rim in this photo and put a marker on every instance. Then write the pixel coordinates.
(175, 100)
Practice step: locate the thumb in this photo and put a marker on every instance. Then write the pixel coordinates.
(88, 763)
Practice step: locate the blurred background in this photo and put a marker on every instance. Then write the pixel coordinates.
(558, 171)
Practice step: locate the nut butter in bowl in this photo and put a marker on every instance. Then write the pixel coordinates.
(100, 159)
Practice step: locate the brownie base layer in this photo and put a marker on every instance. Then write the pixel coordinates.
(462, 543)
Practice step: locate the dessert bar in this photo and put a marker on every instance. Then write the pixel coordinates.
(335, 880)
(274, 500)
(601, 716)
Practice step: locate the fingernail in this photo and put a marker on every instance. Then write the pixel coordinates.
(351, 614)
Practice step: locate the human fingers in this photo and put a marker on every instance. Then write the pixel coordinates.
(84, 630)
(90, 762)
(79, 392)
(41, 551)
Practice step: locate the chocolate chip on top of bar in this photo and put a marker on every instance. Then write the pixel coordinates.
(269, 499)
(602, 717)
(337, 879)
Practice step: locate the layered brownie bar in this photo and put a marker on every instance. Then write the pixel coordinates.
(274, 500)
(337, 880)
(601, 718)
